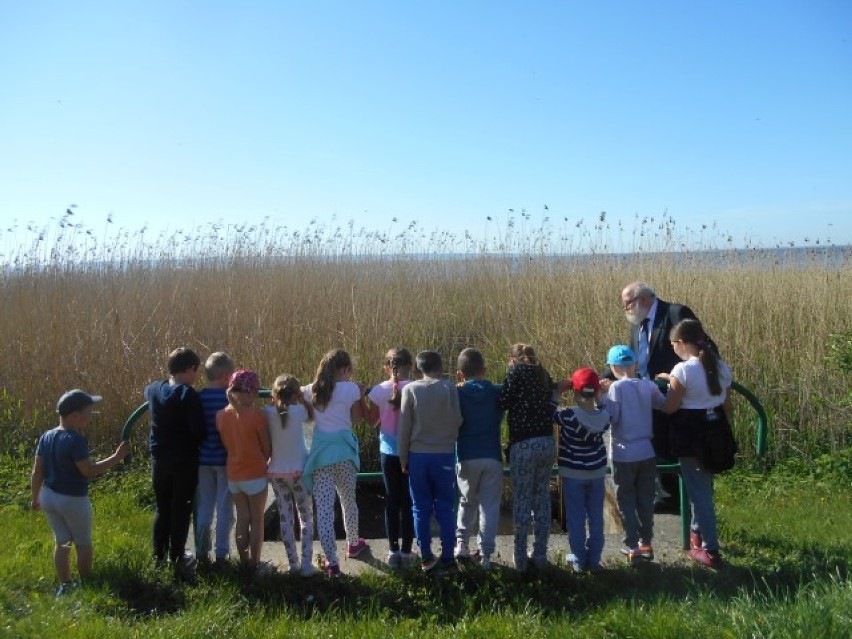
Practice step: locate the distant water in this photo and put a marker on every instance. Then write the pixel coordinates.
(831, 257)
(823, 257)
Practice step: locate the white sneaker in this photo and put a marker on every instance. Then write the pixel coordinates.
(462, 551)
(394, 559)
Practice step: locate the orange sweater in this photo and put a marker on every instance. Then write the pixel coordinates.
(246, 439)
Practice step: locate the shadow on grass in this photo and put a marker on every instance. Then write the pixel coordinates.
(758, 564)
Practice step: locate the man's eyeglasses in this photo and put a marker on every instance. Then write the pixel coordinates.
(630, 302)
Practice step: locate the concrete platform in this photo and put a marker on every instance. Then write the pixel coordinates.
(667, 537)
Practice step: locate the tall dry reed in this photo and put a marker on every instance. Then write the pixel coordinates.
(102, 315)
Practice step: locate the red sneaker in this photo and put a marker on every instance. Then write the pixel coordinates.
(705, 557)
(695, 541)
(646, 551)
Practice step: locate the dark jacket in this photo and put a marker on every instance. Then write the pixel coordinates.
(177, 422)
(661, 355)
(527, 399)
(688, 425)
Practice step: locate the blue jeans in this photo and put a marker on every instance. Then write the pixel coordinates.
(399, 519)
(584, 500)
(699, 489)
(432, 481)
(213, 496)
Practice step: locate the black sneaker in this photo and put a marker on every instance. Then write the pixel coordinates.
(429, 565)
(447, 565)
(186, 569)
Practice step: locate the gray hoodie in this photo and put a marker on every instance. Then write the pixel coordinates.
(429, 418)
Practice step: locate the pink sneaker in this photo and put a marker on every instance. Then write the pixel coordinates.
(332, 570)
(705, 558)
(353, 550)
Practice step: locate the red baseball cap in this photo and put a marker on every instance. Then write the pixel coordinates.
(585, 380)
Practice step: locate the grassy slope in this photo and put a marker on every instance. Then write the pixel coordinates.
(787, 541)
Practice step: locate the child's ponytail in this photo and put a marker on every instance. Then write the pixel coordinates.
(396, 359)
(691, 332)
(326, 374)
(284, 389)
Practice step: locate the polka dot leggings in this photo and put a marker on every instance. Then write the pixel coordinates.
(340, 477)
(288, 490)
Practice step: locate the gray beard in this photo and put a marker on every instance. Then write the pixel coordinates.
(636, 317)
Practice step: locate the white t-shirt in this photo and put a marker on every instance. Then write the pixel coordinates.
(690, 374)
(289, 450)
(336, 416)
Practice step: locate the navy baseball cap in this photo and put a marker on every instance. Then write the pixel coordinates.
(74, 401)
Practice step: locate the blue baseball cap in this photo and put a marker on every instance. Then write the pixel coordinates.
(620, 355)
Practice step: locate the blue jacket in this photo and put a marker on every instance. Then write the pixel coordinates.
(479, 434)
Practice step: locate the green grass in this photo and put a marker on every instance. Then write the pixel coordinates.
(786, 539)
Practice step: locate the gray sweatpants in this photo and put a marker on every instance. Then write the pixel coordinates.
(634, 492)
(481, 487)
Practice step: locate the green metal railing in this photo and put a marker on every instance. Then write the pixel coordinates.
(759, 448)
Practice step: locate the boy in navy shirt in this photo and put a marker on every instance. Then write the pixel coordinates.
(480, 463)
(177, 428)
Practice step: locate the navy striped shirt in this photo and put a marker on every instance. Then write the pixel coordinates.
(212, 452)
(581, 443)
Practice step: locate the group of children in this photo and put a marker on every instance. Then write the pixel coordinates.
(216, 450)
(241, 448)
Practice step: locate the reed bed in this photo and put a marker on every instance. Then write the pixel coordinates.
(102, 314)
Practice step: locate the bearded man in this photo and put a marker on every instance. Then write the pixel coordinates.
(651, 320)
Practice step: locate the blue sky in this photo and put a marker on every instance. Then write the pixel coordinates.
(179, 114)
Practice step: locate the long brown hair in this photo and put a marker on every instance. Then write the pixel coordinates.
(690, 331)
(326, 374)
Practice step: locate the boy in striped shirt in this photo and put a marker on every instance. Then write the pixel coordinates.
(582, 470)
(213, 495)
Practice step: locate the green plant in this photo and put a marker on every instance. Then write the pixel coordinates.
(840, 350)
(18, 430)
